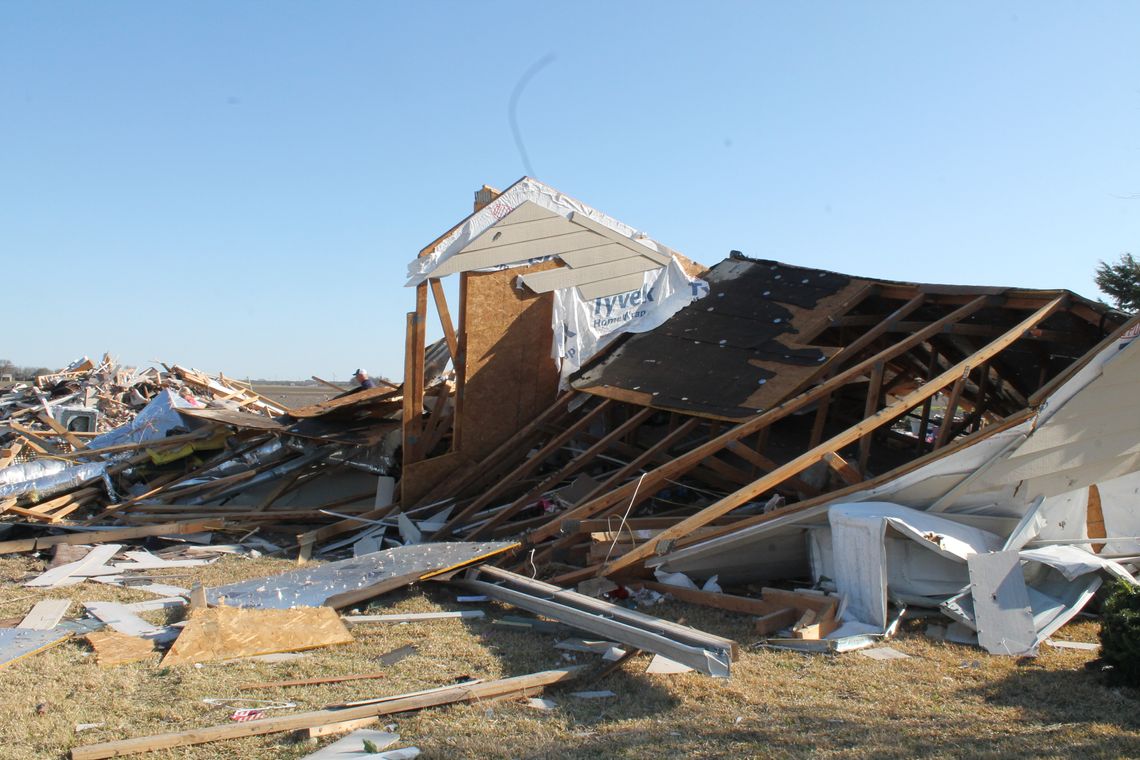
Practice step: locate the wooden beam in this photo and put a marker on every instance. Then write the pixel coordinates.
(445, 321)
(465, 692)
(523, 470)
(765, 464)
(852, 434)
(506, 452)
(572, 467)
(951, 409)
(581, 510)
(655, 479)
(874, 391)
(1094, 519)
(846, 472)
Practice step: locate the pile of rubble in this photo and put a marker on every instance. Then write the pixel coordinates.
(823, 453)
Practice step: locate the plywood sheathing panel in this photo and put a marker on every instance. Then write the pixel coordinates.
(419, 478)
(114, 648)
(511, 377)
(226, 633)
(734, 352)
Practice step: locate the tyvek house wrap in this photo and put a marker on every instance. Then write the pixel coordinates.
(584, 327)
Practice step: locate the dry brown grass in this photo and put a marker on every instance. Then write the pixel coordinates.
(946, 701)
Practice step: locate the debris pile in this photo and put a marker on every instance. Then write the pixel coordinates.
(821, 454)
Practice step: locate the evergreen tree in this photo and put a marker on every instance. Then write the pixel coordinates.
(1121, 282)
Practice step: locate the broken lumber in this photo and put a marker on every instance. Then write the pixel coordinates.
(114, 534)
(519, 686)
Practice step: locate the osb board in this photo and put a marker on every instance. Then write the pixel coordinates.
(733, 353)
(511, 377)
(226, 633)
(419, 478)
(114, 648)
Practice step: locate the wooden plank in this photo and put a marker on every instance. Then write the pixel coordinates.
(1094, 519)
(159, 443)
(572, 467)
(656, 478)
(839, 466)
(445, 322)
(779, 619)
(874, 393)
(732, 603)
(8, 455)
(585, 507)
(59, 576)
(60, 430)
(517, 686)
(556, 279)
(45, 615)
(314, 732)
(523, 470)
(799, 464)
(311, 681)
(613, 235)
(413, 617)
(113, 534)
(951, 408)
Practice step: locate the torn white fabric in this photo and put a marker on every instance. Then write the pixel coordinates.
(1073, 562)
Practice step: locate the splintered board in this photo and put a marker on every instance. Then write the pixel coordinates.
(226, 633)
(510, 374)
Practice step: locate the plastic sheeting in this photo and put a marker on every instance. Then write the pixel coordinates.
(154, 421)
(582, 328)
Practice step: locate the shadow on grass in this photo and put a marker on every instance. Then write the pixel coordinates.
(807, 732)
(1064, 696)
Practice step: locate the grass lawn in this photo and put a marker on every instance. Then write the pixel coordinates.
(947, 700)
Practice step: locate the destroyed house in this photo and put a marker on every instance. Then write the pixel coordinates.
(772, 390)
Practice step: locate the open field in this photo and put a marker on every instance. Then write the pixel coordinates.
(296, 396)
(945, 701)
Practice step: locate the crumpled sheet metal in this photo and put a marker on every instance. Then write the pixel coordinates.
(16, 643)
(311, 586)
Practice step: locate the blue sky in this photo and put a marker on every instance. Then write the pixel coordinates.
(239, 186)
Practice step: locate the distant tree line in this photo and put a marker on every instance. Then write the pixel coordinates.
(22, 373)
